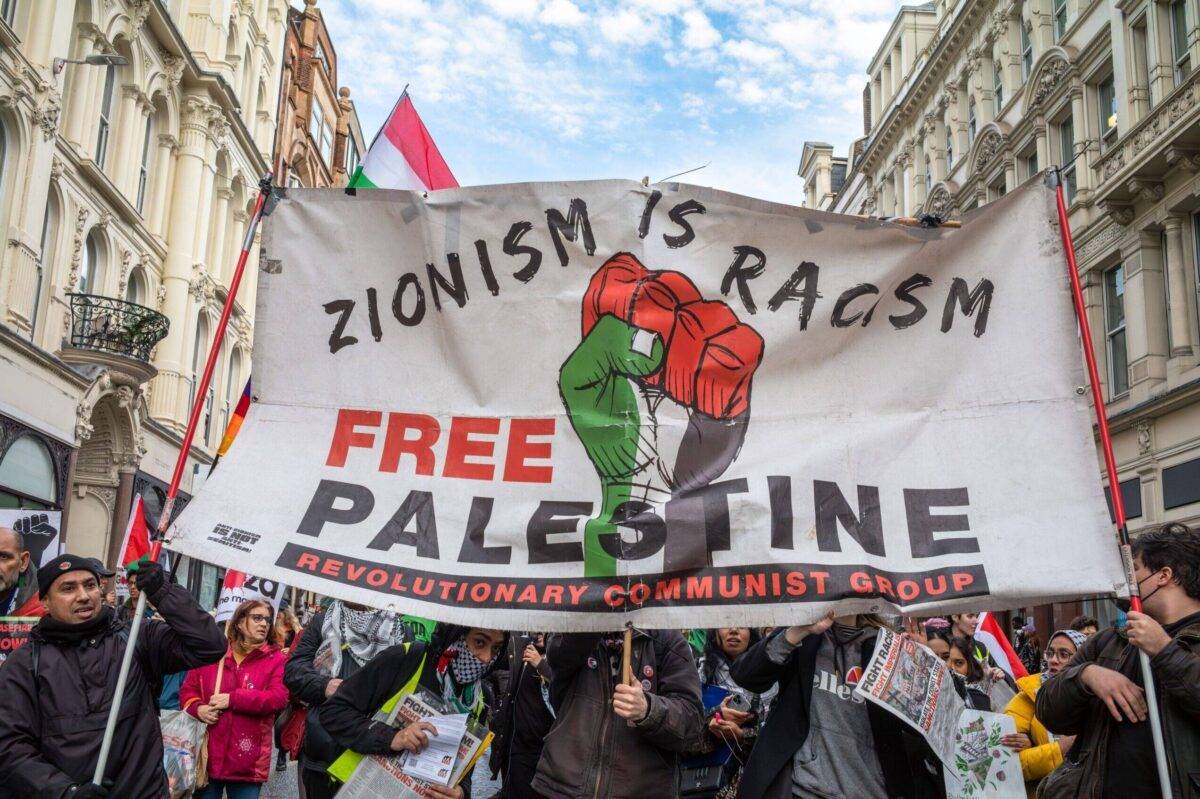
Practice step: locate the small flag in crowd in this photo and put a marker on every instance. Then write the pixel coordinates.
(991, 636)
(235, 423)
(403, 155)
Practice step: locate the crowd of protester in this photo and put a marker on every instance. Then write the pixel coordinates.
(730, 712)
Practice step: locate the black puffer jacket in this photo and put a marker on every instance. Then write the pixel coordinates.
(590, 751)
(52, 724)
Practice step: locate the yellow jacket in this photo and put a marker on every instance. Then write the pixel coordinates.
(1045, 755)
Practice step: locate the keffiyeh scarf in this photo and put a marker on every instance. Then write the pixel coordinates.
(362, 633)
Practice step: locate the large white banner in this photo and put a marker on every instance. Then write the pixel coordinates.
(559, 406)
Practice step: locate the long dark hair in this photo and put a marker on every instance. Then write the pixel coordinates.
(967, 647)
(714, 655)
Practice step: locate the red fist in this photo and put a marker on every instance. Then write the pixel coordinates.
(710, 356)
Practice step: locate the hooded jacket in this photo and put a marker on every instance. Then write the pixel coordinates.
(590, 751)
(910, 768)
(1066, 707)
(53, 722)
(348, 715)
(1045, 755)
(239, 744)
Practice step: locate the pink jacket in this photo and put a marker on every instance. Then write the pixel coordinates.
(239, 744)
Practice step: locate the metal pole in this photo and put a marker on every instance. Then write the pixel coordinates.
(1114, 483)
(164, 520)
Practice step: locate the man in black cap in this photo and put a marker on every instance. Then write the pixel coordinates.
(57, 689)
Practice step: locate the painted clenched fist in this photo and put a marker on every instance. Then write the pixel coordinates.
(658, 392)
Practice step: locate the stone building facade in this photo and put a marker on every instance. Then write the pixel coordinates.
(968, 99)
(125, 193)
(318, 141)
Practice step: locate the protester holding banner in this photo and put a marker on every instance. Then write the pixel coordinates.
(453, 666)
(524, 717)
(241, 710)
(1040, 752)
(1099, 695)
(65, 677)
(616, 739)
(339, 642)
(820, 738)
(18, 586)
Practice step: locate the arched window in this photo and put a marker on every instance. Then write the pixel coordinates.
(27, 473)
(91, 271)
(998, 86)
(144, 165)
(233, 388)
(928, 176)
(135, 289)
(949, 148)
(45, 263)
(1026, 50)
(110, 76)
(199, 353)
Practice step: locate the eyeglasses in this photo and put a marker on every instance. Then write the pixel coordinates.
(1060, 654)
(258, 618)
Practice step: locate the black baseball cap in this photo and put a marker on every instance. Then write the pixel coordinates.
(67, 563)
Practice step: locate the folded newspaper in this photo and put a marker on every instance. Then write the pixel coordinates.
(378, 775)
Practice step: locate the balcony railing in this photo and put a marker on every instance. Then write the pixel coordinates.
(106, 324)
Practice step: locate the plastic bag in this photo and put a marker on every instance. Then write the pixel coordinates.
(181, 736)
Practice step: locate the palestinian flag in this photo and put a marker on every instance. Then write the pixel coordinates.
(235, 423)
(137, 534)
(403, 155)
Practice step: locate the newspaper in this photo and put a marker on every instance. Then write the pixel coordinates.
(379, 775)
(982, 766)
(910, 681)
(435, 763)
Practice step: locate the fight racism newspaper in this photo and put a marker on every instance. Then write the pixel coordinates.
(384, 776)
(912, 682)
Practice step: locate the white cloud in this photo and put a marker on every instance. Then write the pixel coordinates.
(562, 12)
(626, 26)
(698, 31)
(564, 47)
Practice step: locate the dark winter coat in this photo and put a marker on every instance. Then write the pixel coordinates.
(52, 723)
(522, 720)
(1066, 707)
(306, 684)
(590, 751)
(910, 768)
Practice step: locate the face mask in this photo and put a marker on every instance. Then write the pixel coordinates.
(467, 668)
(1124, 602)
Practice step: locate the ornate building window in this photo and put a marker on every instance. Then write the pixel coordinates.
(949, 148)
(972, 121)
(1106, 102)
(110, 74)
(316, 122)
(1066, 156)
(998, 86)
(91, 271)
(27, 477)
(1114, 330)
(1026, 51)
(135, 288)
(1180, 52)
(1060, 19)
(144, 166)
(928, 177)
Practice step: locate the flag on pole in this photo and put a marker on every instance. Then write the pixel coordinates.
(403, 155)
(235, 423)
(137, 534)
(993, 638)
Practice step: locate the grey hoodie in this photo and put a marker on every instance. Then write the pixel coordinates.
(837, 760)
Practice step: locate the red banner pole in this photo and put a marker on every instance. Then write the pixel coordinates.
(264, 191)
(1114, 483)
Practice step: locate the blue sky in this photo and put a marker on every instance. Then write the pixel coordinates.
(516, 90)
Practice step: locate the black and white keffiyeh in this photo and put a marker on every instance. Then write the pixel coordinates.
(363, 633)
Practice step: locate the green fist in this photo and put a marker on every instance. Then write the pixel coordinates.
(603, 406)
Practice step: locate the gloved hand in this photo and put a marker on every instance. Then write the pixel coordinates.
(88, 791)
(647, 337)
(148, 575)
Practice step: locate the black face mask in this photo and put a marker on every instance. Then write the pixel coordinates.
(1124, 603)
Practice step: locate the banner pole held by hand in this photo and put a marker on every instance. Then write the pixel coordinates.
(164, 519)
(1114, 482)
(627, 655)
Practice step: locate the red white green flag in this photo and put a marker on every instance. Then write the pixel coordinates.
(404, 155)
